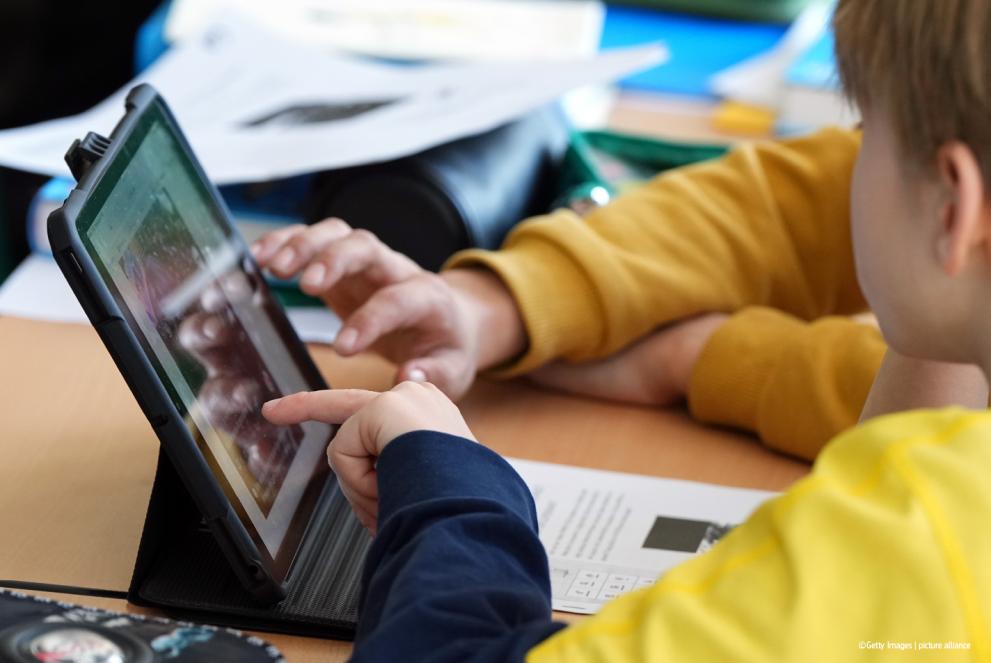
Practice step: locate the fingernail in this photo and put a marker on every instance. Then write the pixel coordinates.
(283, 261)
(268, 405)
(313, 276)
(417, 375)
(346, 339)
(256, 249)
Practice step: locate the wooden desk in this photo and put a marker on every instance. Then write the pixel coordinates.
(77, 457)
(667, 117)
(672, 117)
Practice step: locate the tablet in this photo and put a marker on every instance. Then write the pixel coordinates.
(147, 245)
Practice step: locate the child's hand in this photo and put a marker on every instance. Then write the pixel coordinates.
(370, 421)
(435, 328)
(655, 370)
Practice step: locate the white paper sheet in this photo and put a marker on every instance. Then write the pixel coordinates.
(255, 107)
(425, 29)
(38, 291)
(760, 80)
(313, 324)
(608, 533)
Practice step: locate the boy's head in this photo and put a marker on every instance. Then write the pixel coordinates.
(920, 70)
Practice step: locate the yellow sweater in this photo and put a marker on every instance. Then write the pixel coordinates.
(885, 545)
(762, 233)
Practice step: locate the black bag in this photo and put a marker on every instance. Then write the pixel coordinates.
(468, 193)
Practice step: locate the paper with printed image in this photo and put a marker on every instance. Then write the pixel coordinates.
(255, 106)
(608, 533)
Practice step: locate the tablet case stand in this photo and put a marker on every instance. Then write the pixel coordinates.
(180, 567)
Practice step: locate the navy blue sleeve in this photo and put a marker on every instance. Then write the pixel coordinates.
(456, 572)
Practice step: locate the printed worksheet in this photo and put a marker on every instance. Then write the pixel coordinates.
(607, 533)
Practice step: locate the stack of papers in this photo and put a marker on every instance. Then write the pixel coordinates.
(256, 107)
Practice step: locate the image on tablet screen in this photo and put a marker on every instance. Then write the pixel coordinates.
(198, 306)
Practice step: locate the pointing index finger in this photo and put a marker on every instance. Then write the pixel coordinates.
(331, 406)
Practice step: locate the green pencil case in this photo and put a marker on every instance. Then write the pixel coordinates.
(775, 11)
(614, 161)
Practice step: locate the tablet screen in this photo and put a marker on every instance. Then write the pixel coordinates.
(209, 325)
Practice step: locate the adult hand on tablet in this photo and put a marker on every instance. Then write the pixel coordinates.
(437, 328)
(371, 420)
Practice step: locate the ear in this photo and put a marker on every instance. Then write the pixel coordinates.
(964, 212)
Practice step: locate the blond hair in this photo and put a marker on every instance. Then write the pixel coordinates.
(928, 62)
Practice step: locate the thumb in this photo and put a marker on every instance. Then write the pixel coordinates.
(331, 406)
(446, 370)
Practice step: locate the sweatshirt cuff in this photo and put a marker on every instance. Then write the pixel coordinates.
(736, 365)
(553, 293)
(427, 465)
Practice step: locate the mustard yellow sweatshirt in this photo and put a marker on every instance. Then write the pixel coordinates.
(762, 233)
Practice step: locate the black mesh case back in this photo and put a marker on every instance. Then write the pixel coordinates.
(181, 569)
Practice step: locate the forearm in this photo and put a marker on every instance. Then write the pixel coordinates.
(904, 383)
(457, 567)
(796, 384)
(767, 225)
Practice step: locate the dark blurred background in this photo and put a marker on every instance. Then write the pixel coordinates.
(56, 58)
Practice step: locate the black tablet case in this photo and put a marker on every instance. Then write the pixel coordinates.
(180, 568)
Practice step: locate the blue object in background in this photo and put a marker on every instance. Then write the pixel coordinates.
(48, 198)
(150, 42)
(698, 46)
(816, 68)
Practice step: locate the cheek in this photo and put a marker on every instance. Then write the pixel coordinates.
(865, 221)
(884, 248)
(877, 248)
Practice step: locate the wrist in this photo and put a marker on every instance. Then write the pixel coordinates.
(678, 353)
(491, 314)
